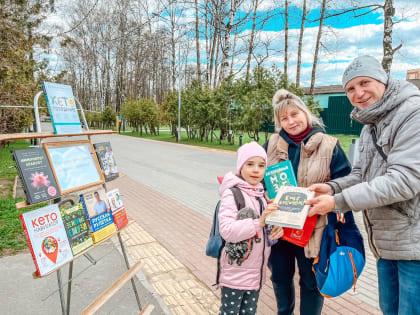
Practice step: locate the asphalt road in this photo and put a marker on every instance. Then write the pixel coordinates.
(184, 173)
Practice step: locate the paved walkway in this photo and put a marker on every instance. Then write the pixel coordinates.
(170, 239)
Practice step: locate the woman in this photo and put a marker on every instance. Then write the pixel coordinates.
(315, 157)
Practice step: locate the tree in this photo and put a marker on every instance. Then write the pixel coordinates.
(19, 21)
(108, 117)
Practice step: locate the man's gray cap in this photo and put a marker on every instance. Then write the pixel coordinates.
(365, 66)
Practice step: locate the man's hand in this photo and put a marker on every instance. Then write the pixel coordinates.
(276, 232)
(320, 205)
(321, 189)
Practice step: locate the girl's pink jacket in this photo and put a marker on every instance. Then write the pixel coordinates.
(250, 275)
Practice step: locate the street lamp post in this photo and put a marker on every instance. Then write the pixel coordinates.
(179, 94)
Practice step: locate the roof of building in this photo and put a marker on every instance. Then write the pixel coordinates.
(416, 82)
(328, 89)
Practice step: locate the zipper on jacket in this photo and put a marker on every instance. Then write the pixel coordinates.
(263, 237)
(370, 234)
(263, 258)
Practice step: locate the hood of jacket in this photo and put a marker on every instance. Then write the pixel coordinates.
(397, 91)
(231, 180)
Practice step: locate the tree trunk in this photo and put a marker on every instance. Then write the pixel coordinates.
(251, 41)
(197, 43)
(318, 42)
(226, 48)
(299, 53)
(286, 35)
(389, 12)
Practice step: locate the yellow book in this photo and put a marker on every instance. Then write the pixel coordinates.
(103, 233)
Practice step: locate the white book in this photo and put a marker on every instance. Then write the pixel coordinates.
(292, 211)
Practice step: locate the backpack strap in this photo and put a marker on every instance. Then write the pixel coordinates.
(240, 203)
(381, 152)
(239, 197)
(261, 204)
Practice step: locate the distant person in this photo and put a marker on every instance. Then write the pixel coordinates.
(100, 205)
(315, 157)
(385, 181)
(241, 282)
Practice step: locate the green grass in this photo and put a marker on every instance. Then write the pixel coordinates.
(7, 169)
(166, 136)
(12, 238)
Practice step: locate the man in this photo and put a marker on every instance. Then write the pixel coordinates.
(100, 205)
(385, 182)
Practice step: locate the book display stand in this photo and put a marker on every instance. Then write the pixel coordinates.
(65, 301)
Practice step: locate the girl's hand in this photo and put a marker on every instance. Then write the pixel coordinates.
(276, 233)
(266, 197)
(270, 208)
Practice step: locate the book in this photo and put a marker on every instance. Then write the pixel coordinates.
(62, 107)
(36, 174)
(106, 160)
(47, 238)
(94, 202)
(117, 207)
(98, 213)
(77, 227)
(292, 210)
(277, 175)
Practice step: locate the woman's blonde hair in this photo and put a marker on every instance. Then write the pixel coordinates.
(282, 99)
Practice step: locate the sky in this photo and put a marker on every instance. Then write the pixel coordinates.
(344, 39)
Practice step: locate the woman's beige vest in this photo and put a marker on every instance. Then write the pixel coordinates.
(314, 167)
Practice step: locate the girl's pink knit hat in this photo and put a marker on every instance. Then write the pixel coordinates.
(248, 151)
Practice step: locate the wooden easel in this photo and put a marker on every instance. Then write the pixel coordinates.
(65, 302)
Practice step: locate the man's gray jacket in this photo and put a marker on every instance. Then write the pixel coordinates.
(388, 191)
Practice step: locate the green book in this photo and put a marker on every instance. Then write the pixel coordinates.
(76, 227)
(277, 175)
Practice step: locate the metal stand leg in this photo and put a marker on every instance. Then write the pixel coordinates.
(128, 267)
(60, 290)
(90, 258)
(69, 287)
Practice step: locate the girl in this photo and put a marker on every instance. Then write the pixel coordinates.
(241, 281)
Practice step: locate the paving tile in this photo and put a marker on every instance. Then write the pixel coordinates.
(170, 241)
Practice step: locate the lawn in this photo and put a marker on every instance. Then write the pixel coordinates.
(12, 238)
(166, 136)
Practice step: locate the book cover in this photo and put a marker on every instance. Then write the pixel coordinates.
(98, 213)
(36, 174)
(117, 207)
(94, 202)
(62, 107)
(47, 238)
(106, 160)
(103, 233)
(77, 227)
(292, 210)
(277, 175)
